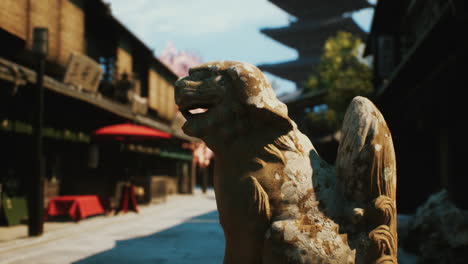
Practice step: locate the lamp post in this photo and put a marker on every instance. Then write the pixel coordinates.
(36, 193)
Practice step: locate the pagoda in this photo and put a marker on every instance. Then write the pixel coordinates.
(315, 22)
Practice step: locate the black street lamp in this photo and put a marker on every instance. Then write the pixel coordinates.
(36, 193)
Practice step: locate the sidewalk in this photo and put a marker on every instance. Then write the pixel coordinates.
(184, 229)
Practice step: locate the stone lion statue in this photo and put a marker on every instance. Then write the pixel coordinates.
(278, 201)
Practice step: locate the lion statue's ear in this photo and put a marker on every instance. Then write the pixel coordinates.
(272, 118)
(254, 90)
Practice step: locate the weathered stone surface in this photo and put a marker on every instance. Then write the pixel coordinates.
(438, 232)
(366, 176)
(279, 202)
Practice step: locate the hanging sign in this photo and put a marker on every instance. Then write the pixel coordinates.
(83, 72)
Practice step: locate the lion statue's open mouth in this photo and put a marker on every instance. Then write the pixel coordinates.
(198, 94)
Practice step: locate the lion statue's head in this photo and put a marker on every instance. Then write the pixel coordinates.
(225, 99)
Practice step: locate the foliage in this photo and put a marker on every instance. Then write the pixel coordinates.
(343, 74)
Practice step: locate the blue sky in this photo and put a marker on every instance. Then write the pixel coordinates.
(213, 29)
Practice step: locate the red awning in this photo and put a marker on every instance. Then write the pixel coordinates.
(130, 132)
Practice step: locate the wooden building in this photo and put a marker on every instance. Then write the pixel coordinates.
(420, 55)
(87, 27)
(131, 86)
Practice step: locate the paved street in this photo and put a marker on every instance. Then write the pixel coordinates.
(185, 229)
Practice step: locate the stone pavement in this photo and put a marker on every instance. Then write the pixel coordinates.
(184, 229)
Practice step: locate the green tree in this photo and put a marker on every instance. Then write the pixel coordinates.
(343, 74)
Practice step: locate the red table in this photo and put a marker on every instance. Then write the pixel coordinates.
(76, 206)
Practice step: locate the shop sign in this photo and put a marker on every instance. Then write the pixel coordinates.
(83, 72)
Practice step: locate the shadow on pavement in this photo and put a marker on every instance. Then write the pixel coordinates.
(198, 240)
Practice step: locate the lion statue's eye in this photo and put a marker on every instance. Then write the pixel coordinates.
(200, 75)
(216, 80)
(219, 80)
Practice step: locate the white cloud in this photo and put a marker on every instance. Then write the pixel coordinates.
(164, 28)
(194, 18)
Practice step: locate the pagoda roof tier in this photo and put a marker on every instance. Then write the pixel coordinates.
(297, 71)
(312, 34)
(319, 9)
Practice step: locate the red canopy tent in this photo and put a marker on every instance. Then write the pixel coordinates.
(129, 132)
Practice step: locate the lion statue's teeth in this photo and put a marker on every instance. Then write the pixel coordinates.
(198, 111)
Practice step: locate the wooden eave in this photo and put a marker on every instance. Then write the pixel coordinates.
(296, 70)
(312, 25)
(319, 9)
(297, 33)
(20, 76)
